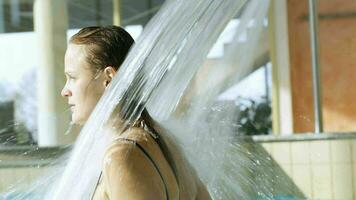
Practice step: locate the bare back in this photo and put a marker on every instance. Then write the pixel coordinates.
(152, 176)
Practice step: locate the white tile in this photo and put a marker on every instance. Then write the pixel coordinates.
(2, 182)
(320, 152)
(321, 181)
(7, 178)
(300, 152)
(340, 151)
(281, 153)
(34, 174)
(353, 142)
(287, 169)
(267, 146)
(342, 181)
(22, 176)
(354, 180)
(18, 178)
(302, 178)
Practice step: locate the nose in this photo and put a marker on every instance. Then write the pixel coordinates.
(66, 92)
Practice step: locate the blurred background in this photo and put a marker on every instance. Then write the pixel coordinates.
(275, 99)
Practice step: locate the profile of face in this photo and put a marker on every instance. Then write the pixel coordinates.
(84, 86)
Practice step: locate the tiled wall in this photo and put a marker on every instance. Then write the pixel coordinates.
(13, 176)
(324, 169)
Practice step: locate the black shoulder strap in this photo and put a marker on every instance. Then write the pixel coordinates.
(96, 186)
(152, 161)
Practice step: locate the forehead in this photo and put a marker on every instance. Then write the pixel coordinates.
(75, 59)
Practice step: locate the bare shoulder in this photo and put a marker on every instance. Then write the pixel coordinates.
(129, 174)
(127, 149)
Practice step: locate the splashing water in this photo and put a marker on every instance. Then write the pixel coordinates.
(163, 73)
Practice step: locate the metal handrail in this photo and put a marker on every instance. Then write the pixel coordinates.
(313, 22)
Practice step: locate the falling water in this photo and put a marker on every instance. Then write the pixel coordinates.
(164, 71)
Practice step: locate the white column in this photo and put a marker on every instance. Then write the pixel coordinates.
(116, 12)
(282, 92)
(2, 17)
(51, 24)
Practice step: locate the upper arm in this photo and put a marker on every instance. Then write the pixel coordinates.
(130, 175)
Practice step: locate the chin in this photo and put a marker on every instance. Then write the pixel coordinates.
(77, 120)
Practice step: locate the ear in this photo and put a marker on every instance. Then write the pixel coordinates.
(109, 73)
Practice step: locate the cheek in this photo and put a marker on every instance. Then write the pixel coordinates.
(93, 92)
(79, 90)
(96, 93)
(87, 92)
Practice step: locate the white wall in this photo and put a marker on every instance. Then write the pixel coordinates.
(18, 53)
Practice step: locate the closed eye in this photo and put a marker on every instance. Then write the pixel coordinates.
(70, 77)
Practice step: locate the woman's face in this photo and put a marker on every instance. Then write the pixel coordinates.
(83, 88)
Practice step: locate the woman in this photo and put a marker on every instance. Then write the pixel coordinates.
(140, 164)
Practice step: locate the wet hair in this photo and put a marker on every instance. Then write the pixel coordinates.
(104, 45)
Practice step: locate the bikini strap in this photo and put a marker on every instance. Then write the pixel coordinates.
(151, 160)
(96, 186)
(156, 137)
